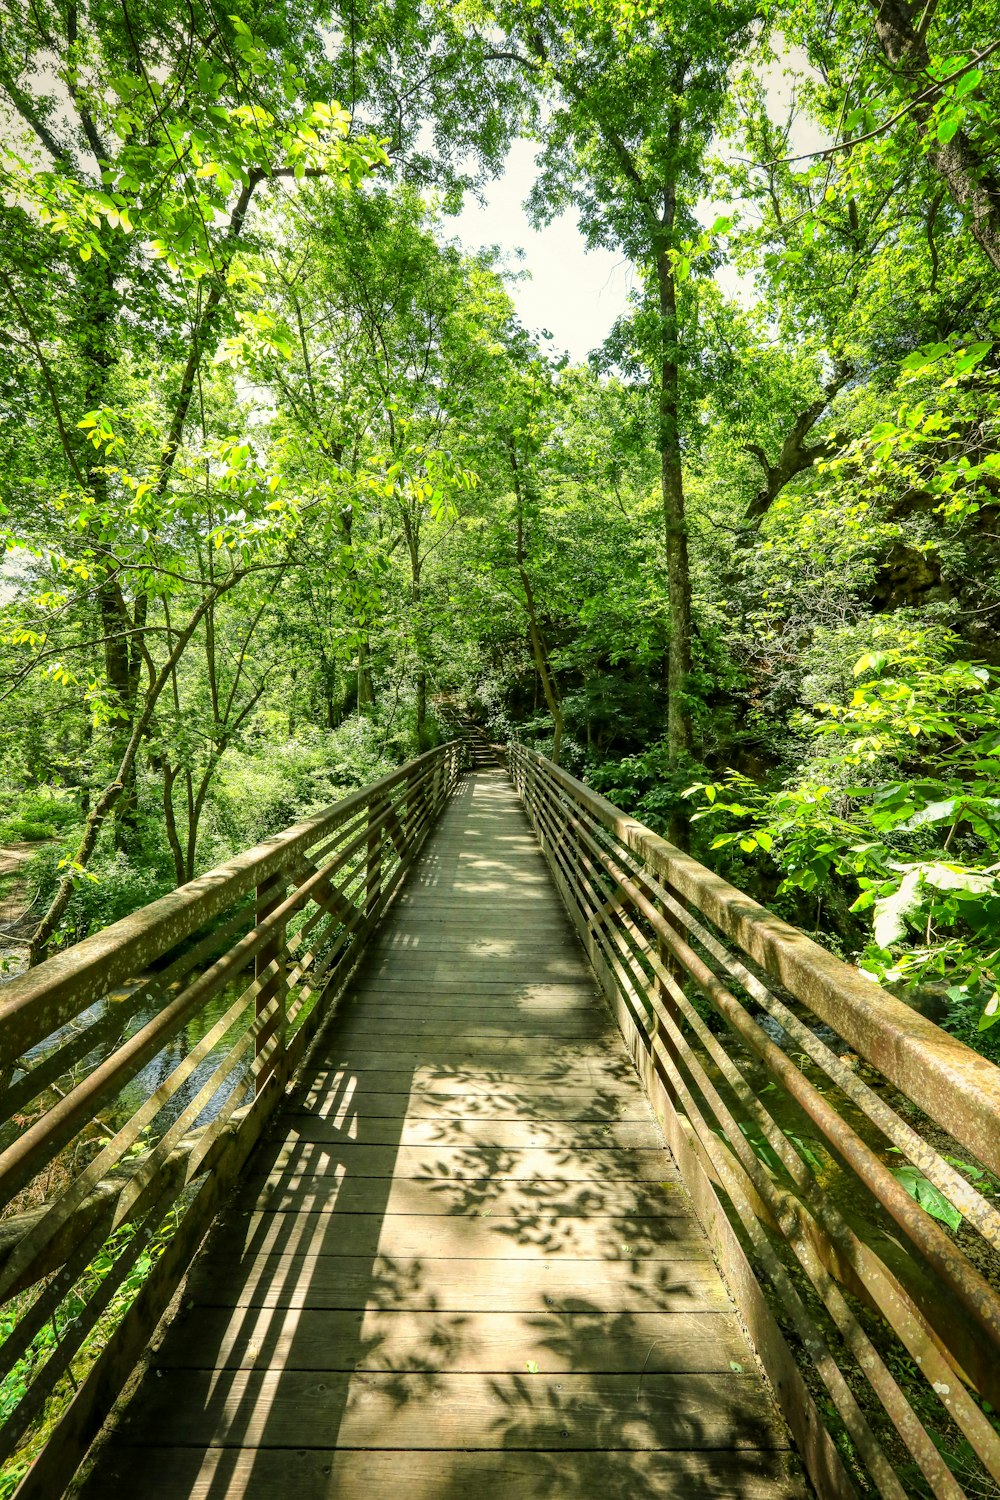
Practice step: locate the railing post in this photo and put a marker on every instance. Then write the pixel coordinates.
(373, 868)
(270, 894)
(437, 785)
(412, 808)
(661, 990)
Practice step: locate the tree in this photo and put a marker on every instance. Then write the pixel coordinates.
(631, 102)
(146, 191)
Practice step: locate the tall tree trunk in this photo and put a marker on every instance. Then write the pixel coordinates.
(969, 172)
(411, 532)
(538, 651)
(552, 698)
(366, 686)
(421, 708)
(674, 520)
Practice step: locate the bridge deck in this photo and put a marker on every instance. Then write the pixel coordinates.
(463, 1262)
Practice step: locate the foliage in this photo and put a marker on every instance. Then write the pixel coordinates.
(898, 796)
(286, 484)
(45, 1343)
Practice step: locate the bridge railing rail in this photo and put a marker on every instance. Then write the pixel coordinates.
(137, 1071)
(816, 1120)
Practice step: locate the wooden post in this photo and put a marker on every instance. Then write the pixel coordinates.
(373, 870)
(436, 784)
(412, 812)
(676, 972)
(270, 895)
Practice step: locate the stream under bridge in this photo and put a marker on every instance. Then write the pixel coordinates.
(469, 1139)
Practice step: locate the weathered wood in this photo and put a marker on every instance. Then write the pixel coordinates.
(518, 1059)
(320, 1474)
(283, 1191)
(687, 1283)
(370, 1410)
(455, 1163)
(333, 1081)
(372, 1129)
(557, 1342)
(431, 1033)
(585, 1105)
(450, 1236)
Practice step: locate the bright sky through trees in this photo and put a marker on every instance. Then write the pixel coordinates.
(575, 293)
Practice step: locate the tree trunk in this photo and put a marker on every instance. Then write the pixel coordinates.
(969, 173)
(366, 687)
(674, 520)
(538, 651)
(411, 532)
(109, 796)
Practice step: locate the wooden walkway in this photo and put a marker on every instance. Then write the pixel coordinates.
(463, 1264)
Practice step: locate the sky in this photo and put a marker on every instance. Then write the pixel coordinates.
(574, 293)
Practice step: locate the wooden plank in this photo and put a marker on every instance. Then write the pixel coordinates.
(522, 946)
(418, 1034)
(490, 918)
(286, 1191)
(294, 1408)
(489, 1061)
(534, 1098)
(454, 1163)
(443, 1236)
(214, 1473)
(518, 1134)
(564, 1104)
(496, 922)
(435, 1007)
(374, 1339)
(543, 966)
(459, 988)
(687, 1283)
(509, 994)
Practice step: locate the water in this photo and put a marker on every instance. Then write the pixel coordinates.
(102, 1016)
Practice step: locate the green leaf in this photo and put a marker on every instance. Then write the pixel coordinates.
(928, 1196)
(991, 1013)
(949, 126)
(934, 812)
(968, 82)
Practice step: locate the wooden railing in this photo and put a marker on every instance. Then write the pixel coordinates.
(806, 1106)
(137, 1070)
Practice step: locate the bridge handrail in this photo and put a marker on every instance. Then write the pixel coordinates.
(84, 1038)
(797, 1155)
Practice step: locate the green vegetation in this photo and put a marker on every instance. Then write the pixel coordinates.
(139, 1253)
(284, 479)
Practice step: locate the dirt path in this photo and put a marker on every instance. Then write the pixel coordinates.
(14, 891)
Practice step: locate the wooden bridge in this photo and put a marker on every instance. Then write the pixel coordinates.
(487, 1206)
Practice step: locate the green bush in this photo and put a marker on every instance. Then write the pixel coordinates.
(19, 830)
(272, 784)
(114, 886)
(31, 816)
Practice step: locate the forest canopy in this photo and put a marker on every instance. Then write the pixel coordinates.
(286, 485)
